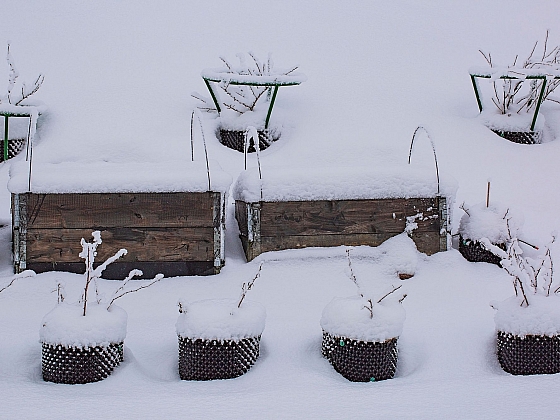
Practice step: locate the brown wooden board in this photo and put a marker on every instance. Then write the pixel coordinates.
(119, 210)
(177, 244)
(269, 226)
(344, 216)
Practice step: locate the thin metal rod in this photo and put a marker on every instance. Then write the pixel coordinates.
(213, 95)
(205, 149)
(5, 137)
(433, 149)
(539, 103)
(476, 93)
(270, 107)
(28, 139)
(192, 137)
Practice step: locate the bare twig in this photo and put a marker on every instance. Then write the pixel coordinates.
(22, 275)
(248, 286)
(369, 307)
(120, 293)
(352, 275)
(387, 294)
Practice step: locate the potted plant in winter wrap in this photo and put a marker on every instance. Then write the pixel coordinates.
(19, 114)
(517, 92)
(83, 342)
(219, 338)
(486, 222)
(360, 333)
(528, 324)
(243, 96)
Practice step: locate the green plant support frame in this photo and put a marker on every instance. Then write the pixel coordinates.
(475, 76)
(271, 85)
(7, 116)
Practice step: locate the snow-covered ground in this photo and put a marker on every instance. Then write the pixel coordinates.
(118, 78)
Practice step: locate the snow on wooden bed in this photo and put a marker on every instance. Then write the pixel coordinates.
(297, 208)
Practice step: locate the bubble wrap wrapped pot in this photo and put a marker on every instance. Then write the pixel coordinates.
(361, 361)
(79, 365)
(521, 137)
(203, 360)
(528, 355)
(14, 147)
(474, 251)
(235, 139)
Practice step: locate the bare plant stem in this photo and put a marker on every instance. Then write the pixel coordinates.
(392, 291)
(248, 286)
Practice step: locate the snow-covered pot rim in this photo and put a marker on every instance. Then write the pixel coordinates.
(65, 325)
(489, 222)
(541, 317)
(512, 122)
(220, 319)
(347, 317)
(342, 183)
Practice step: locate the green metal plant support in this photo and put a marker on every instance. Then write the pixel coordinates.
(7, 116)
(474, 77)
(271, 85)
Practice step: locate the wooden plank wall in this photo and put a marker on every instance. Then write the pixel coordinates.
(159, 230)
(299, 224)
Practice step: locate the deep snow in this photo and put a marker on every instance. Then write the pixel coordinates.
(118, 76)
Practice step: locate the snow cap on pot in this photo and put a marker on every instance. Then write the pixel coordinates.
(222, 319)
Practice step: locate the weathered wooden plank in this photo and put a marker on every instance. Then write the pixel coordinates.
(346, 217)
(98, 210)
(158, 245)
(427, 242)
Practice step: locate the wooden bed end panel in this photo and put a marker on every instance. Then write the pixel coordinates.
(170, 230)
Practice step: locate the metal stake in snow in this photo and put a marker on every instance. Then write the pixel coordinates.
(197, 112)
(433, 149)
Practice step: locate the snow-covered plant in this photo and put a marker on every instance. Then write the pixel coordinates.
(18, 91)
(23, 274)
(508, 94)
(368, 301)
(89, 252)
(531, 276)
(243, 98)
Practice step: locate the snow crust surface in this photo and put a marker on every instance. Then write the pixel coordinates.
(67, 326)
(90, 177)
(338, 183)
(221, 319)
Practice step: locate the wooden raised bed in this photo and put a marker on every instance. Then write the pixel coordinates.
(271, 226)
(177, 233)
